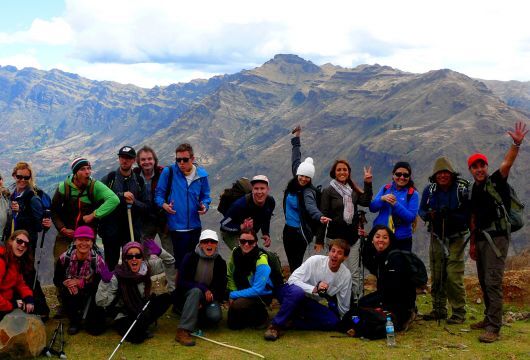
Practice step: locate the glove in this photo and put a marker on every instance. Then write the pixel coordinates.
(152, 247)
(105, 273)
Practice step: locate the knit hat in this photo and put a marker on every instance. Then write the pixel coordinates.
(84, 232)
(306, 168)
(78, 163)
(402, 164)
(208, 235)
(443, 164)
(476, 157)
(130, 245)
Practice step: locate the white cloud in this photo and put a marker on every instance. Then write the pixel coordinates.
(53, 32)
(27, 59)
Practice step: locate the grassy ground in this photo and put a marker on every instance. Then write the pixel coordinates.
(426, 340)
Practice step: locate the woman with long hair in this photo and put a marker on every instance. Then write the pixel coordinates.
(397, 205)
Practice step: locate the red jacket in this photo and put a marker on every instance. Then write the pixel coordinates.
(11, 282)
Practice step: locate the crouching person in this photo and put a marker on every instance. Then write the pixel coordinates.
(131, 287)
(249, 284)
(78, 272)
(320, 277)
(201, 286)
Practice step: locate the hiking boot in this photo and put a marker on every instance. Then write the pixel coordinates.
(184, 338)
(272, 333)
(433, 316)
(488, 337)
(479, 325)
(455, 320)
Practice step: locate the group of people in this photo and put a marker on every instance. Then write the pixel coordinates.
(136, 277)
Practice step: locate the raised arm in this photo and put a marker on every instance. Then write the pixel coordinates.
(517, 136)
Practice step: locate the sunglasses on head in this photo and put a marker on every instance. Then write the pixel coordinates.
(20, 177)
(401, 174)
(22, 242)
(208, 241)
(247, 242)
(134, 256)
(185, 160)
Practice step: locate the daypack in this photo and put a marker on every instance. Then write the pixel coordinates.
(276, 268)
(462, 191)
(239, 188)
(93, 253)
(68, 192)
(369, 323)
(44, 198)
(514, 214)
(418, 272)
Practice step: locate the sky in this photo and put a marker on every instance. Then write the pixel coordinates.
(160, 42)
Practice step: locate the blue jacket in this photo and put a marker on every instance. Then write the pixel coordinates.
(402, 214)
(186, 199)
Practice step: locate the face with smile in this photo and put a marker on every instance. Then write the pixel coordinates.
(184, 161)
(336, 257)
(146, 160)
(260, 190)
(401, 177)
(20, 245)
(303, 180)
(381, 240)
(83, 246)
(134, 259)
(444, 178)
(247, 242)
(22, 177)
(208, 246)
(342, 173)
(479, 171)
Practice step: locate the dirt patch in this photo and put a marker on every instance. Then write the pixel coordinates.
(515, 286)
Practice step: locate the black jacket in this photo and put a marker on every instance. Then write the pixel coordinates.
(186, 277)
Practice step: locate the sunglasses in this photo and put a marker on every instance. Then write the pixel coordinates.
(208, 242)
(134, 256)
(22, 242)
(20, 177)
(184, 160)
(400, 174)
(247, 242)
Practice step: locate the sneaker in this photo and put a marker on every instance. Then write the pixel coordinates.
(479, 325)
(433, 316)
(488, 337)
(184, 338)
(455, 320)
(272, 333)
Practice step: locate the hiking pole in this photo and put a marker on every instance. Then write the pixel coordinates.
(48, 351)
(443, 261)
(362, 239)
(61, 354)
(44, 231)
(228, 346)
(129, 217)
(130, 328)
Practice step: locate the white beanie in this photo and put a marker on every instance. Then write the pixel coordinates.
(306, 168)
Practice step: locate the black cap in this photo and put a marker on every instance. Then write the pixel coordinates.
(127, 151)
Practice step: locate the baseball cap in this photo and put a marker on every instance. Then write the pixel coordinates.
(208, 235)
(476, 157)
(260, 178)
(127, 151)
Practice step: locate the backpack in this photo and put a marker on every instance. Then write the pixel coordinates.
(462, 191)
(111, 177)
(239, 188)
(44, 198)
(369, 323)
(68, 191)
(418, 272)
(514, 215)
(93, 252)
(276, 268)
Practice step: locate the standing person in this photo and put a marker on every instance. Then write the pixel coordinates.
(77, 275)
(319, 276)
(339, 202)
(5, 211)
(397, 205)
(250, 287)
(300, 206)
(130, 189)
(250, 211)
(201, 287)
(130, 288)
(183, 192)
(445, 205)
(79, 200)
(154, 223)
(490, 230)
(26, 207)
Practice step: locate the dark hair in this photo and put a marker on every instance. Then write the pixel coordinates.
(404, 165)
(376, 228)
(349, 180)
(26, 260)
(184, 147)
(251, 232)
(146, 149)
(454, 176)
(341, 243)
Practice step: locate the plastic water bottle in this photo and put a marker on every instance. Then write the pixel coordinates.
(355, 319)
(390, 335)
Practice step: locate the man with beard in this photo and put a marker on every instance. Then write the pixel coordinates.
(130, 189)
(79, 200)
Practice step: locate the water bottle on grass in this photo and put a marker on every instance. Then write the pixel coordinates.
(390, 335)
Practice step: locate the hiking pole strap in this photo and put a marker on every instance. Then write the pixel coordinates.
(492, 244)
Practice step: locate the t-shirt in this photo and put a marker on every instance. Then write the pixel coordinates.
(483, 205)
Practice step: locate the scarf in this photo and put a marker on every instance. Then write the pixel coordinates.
(244, 265)
(204, 270)
(85, 272)
(346, 192)
(128, 286)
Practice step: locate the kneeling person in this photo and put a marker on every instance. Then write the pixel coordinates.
(319, 277)
(201, 286)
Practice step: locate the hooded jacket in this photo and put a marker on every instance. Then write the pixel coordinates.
(11, 283)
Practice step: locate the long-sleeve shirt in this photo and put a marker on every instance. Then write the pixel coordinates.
(243, 208)
(259, 280)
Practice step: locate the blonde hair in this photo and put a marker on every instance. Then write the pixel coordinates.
(22, 165)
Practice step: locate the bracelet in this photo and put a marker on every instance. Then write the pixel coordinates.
(516, 144)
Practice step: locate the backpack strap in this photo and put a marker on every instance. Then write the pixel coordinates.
(111, 177)
(67, 191)
(168, 184)
(91, 192)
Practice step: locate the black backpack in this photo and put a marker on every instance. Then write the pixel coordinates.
(276, 268)
(369, 323)
(418, 272)
(239, 188)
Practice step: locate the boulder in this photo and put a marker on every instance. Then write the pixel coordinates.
(21, 335)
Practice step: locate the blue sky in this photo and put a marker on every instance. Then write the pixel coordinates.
(159, 42)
